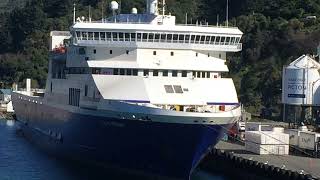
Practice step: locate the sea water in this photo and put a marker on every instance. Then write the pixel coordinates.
(21, 160)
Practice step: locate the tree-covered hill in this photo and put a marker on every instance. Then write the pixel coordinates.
(275, 33)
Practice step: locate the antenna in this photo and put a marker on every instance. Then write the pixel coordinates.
(227, 15)
(217, 19)
(90, 13)
(102, 11)
(74, 13)
(163, 7)
(186, 18)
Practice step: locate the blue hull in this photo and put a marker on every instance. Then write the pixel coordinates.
(159, 149)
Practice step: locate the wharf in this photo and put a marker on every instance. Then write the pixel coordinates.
(294, 164)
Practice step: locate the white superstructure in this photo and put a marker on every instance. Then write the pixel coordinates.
(147, 63)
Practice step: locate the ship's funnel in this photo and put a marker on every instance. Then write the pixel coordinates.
(152, 7)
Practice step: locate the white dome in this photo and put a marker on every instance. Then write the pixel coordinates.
(114, 5)
(134, 11)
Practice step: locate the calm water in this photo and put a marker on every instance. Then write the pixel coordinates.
(20, 160)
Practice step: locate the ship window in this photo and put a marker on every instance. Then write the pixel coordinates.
(198, 74)
(174, 73)
(82, 51)
(197, 38)
(175, 37)
(218, 40)
(223, 40)
(115, 71)
(127, 36)
(127, 51)
(212, 39)
(109, 36)
(172, 53)
(96, 71)
(232, 40)
(90, 35)
(94, 51)
(151, 36)
(208, 54)
(177, 89)
(146, 72)
(114, 36)
(208, 39)
(145, 36)
(157, 37)
(168, 89)
(155, 73)
(133, 36)
(203, 74)
(181, 38)
(187, 38)
(227, 40)
(219, 55)
(84, 36)
(74, 96)
(202, 39)
(96, 35)
(165, 73)
(110, 51)
(51, 87)
(194, 74)
(139, 36)
(86, 90)
(154, 52)
(135, 72)
(184, 73)
(196, 54)
(103, 36)
(208, 74)
(121, 36)
(163, 37)
(129, 72)
(122, 71)
(193, 37)
(169, 37)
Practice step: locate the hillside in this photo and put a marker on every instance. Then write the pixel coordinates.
(276, 32)
(9, 5)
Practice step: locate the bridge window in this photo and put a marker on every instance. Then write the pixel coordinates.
(197, 39)
(122, 71)
(208, 39)
(193, 37)
(174, 73)
(129, 72)
(135, 72)
(139, 36)
(103, 36)
(181, 38)
(165, 73)
(187, 38)
(121, 37)
(146, 72)
(90, 35)
(163, 37)
(232, 40)
(218, 40)
(151, 36)
(222, 40)
(108, 36)
(157, 37)
(175, 37)
(114, 36)
(169, 37)
(145, 36)
(184, 73)
(202, 39)
(227, 41)
(115, 71)
(127, 36)
(96, 35)
(133, 36)
(155, 73)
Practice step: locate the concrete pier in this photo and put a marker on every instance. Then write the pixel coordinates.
(296, 167)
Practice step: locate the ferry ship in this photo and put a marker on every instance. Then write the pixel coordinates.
(134, 91)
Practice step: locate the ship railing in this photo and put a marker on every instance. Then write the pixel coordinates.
(148, 22)
(198, 108)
